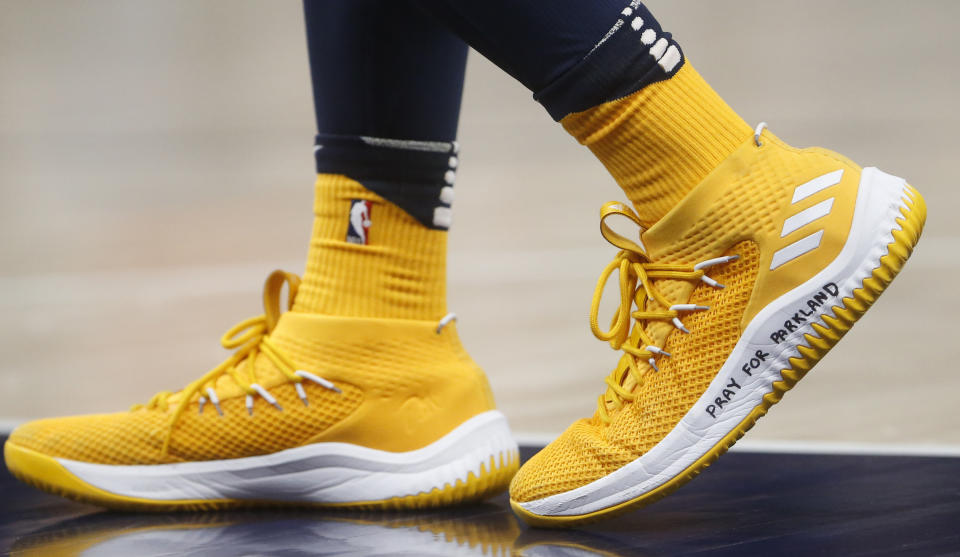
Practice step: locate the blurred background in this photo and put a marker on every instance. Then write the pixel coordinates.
(155, 165)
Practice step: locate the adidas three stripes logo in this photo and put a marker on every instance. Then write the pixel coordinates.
(802, 218)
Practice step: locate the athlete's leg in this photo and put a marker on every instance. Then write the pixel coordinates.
(383, 69)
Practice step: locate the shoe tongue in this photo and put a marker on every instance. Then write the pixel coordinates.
(669, 239)
(699, 226)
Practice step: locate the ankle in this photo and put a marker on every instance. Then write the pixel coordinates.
(379, 242)
(385, 265)
(661, 141)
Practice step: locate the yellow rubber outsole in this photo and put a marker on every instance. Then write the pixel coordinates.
(45, 473)
(911, 224)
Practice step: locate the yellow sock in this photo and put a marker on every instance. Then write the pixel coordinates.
(392, 266)
(659, 142)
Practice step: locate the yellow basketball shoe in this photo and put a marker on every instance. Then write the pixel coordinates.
(311, 409)
(734, 295)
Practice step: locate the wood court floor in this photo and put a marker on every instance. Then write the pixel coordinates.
(155, 165)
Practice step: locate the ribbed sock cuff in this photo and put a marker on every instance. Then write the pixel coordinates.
(661, 141)
(369, 258)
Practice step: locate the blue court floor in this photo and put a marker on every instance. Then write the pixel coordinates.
(746, 504)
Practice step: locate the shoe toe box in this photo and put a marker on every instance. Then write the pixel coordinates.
(579, 456)
(121, 438)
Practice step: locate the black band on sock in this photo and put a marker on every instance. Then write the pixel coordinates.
(417, 176)
(634, 53)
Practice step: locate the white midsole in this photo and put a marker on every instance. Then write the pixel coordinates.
(879, 199)
(316, 473)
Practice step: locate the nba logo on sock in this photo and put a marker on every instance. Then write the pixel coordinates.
(359, 227)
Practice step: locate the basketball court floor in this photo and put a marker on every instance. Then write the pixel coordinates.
(155, 166)
(748, 503)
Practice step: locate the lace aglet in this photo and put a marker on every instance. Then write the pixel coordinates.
(301, 393)
(318, 380)
(711, 282)
(445, 320)
(216, 401)
(657, 350)
(266, 396)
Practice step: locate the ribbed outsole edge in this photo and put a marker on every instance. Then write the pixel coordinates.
(31, 467)
(911, 222)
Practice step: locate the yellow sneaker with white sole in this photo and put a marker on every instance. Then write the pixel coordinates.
(726, 302)
(310, 410)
